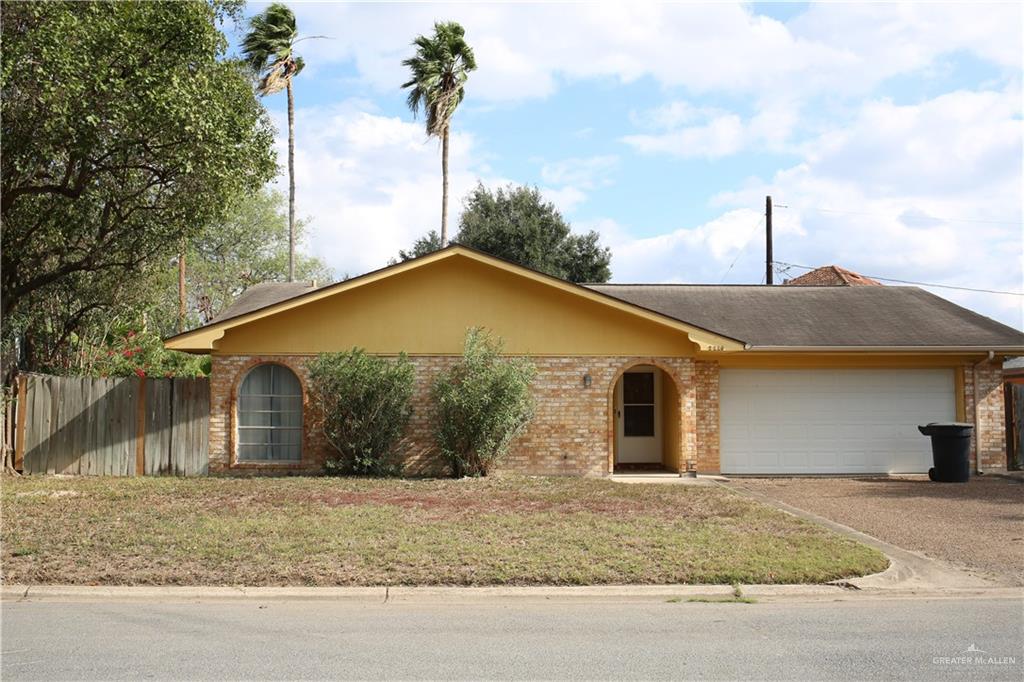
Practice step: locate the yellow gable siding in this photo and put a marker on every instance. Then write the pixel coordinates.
(427, 310)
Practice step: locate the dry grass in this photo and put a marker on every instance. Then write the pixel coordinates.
(330, 531)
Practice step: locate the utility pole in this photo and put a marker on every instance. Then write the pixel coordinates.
(768, 240)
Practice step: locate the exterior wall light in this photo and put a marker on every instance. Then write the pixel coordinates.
(587, 380)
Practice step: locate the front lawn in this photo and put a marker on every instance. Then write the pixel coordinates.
(332, 531)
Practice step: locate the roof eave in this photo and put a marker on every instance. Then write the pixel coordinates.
(1002, 350)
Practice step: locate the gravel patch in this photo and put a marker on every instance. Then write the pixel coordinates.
(978, 525)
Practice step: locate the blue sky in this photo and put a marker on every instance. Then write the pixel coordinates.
(891, 133)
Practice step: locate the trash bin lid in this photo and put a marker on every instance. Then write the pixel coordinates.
(946, 429)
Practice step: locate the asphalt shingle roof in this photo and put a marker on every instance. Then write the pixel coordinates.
(798, 316)
(262, 295)
(774, 316)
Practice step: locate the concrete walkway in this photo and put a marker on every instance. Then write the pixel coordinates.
(666, 477)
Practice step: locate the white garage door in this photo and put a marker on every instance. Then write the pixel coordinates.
(830, 421)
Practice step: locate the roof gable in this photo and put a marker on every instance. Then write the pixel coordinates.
(424, 306)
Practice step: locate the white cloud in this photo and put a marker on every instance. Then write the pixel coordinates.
(565, 199)
(372, 183)
(721, 135)
(527, 50)
(569, 182)
(682, 129)
(670, 115)
(700, 254)
(928, 192)
(585, 173)
(957, 143)
(892, 175)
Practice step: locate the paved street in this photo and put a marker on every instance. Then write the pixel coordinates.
(869, 639)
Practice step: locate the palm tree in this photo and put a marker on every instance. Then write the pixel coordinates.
(269, 48)
(438, 74)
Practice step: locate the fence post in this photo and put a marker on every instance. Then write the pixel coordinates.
(140, 430)
(19, 431)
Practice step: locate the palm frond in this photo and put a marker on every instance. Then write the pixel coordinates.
(275, 80)
(270, 43)
(438, 72)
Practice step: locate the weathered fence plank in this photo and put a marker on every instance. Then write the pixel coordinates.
(114, 427)
(1015, 434)
(158, 426)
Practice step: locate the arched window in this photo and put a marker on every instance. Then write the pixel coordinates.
(270, 415)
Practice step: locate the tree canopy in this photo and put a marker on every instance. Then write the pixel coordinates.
(248, 246)
(515, 223)
(428, 243)
(125, 130)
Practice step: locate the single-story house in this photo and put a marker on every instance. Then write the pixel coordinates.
(735, 379)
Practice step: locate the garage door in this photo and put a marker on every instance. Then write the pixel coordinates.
(830, 421)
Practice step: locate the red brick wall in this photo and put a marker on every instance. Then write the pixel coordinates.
(226, 376)
(988, 416)
(571, 433)
(707, 416)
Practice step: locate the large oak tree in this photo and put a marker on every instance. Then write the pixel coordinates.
(125, 131)
(515, 223)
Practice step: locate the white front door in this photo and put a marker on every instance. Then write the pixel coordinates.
(638, 416)
(844, 421)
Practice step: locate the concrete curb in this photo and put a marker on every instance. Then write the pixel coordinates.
(598, 594)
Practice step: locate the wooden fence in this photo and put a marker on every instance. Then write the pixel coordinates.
(1014, 425)
(112, 427)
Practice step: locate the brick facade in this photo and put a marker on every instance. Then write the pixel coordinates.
(706, 380)
(572, 432)
(984, 406)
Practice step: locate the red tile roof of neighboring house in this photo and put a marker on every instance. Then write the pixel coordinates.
(832, 276)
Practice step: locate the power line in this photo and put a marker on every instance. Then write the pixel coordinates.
(920, 284)
(742, 249)
(881, 215)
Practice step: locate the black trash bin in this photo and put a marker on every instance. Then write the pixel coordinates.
(951, 451)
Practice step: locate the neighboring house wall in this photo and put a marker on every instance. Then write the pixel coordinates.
(572, 432)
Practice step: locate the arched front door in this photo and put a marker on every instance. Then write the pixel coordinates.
(638, 410)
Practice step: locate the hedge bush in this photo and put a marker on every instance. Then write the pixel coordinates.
(481, 404)
(365, 404)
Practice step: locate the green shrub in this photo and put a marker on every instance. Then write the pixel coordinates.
(365, 406)
(482, 403)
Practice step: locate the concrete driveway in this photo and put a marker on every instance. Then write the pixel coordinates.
(977, 525)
